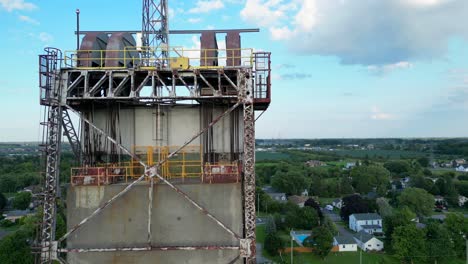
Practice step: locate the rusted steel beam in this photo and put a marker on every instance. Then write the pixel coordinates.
(193, 31)
(164, 248)
(150, 208)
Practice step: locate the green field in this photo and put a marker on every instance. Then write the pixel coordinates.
(263, 155)
(380, 153)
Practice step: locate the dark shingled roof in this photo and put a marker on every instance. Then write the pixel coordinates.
(371, 216)
(363, 236)
(345, 240)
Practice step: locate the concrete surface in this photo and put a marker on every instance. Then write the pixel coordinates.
(175, 222)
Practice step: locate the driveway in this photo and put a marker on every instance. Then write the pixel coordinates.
(260, 258)
(336, 218)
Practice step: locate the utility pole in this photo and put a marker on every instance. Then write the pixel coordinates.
(258, 203)
(292, 246)
(360, 252)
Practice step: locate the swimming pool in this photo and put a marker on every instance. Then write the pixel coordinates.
(301, 237)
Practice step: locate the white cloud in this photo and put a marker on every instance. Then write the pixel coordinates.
(45, 37)
(377, 114)
(266, 12)
(388, 68)
(281, 33)
(424, 3)
(28, 20)
(194, 20)
(10, 5)
(369, 33)
(205, 6)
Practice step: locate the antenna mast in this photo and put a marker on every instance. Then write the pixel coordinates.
(155, 32)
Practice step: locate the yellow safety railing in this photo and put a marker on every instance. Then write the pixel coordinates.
(186, 164)
(182, 57)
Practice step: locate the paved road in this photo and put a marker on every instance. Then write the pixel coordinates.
(336, 218)
(260, 258)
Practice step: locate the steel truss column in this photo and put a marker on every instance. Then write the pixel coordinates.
(249, 172)
(70, 133)
(155, 32)
(54, 126)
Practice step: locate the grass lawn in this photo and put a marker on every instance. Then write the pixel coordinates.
(324, 201)
(340, 257)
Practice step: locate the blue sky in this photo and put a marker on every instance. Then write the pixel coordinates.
(341, 68)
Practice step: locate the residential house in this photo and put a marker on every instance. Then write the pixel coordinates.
(315, 163)
(17, 214)
(462, 200)
(405, 182)
(279, 197)
(462, 168)
(369, 223)
(345, 243)
(338, 203)
(458, 162)
(298, 200)
(368, 242)
(439, 199)
(350, 165)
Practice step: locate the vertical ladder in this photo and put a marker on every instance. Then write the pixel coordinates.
(50, 98)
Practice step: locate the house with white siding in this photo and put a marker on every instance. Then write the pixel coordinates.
(345, 243)
(368, 242)
(369, 223)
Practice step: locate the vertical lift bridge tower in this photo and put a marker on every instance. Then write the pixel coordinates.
(165, 145)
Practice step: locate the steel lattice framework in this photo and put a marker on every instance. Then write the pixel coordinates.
(63, 89)
(49, 64)
(155, 31)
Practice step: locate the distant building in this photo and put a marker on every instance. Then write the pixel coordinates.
(315, 163)
(338, 203)
(458, 162)
(298, 200)
(279, 197)
(368, 242)
(462, 200)
(350, 165)
(439, 199)
(345, 243)
(369, 223)
(17, 214)
(462, 168)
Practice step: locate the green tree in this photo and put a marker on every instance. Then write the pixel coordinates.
(273, 243)
(322, 241)
(439, 243)
(302, 218)
(418, 200)
(397, 166)
(423, 161)
(22, 200)
(365, 178)
(399, 218)
(15, 248)
(385, 209)
(457, 226)
(3, 201)
(409, 242)
(293, 182)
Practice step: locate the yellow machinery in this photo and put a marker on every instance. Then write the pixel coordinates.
(179, 63)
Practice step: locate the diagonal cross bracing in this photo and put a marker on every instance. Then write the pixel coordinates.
(152, 172)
